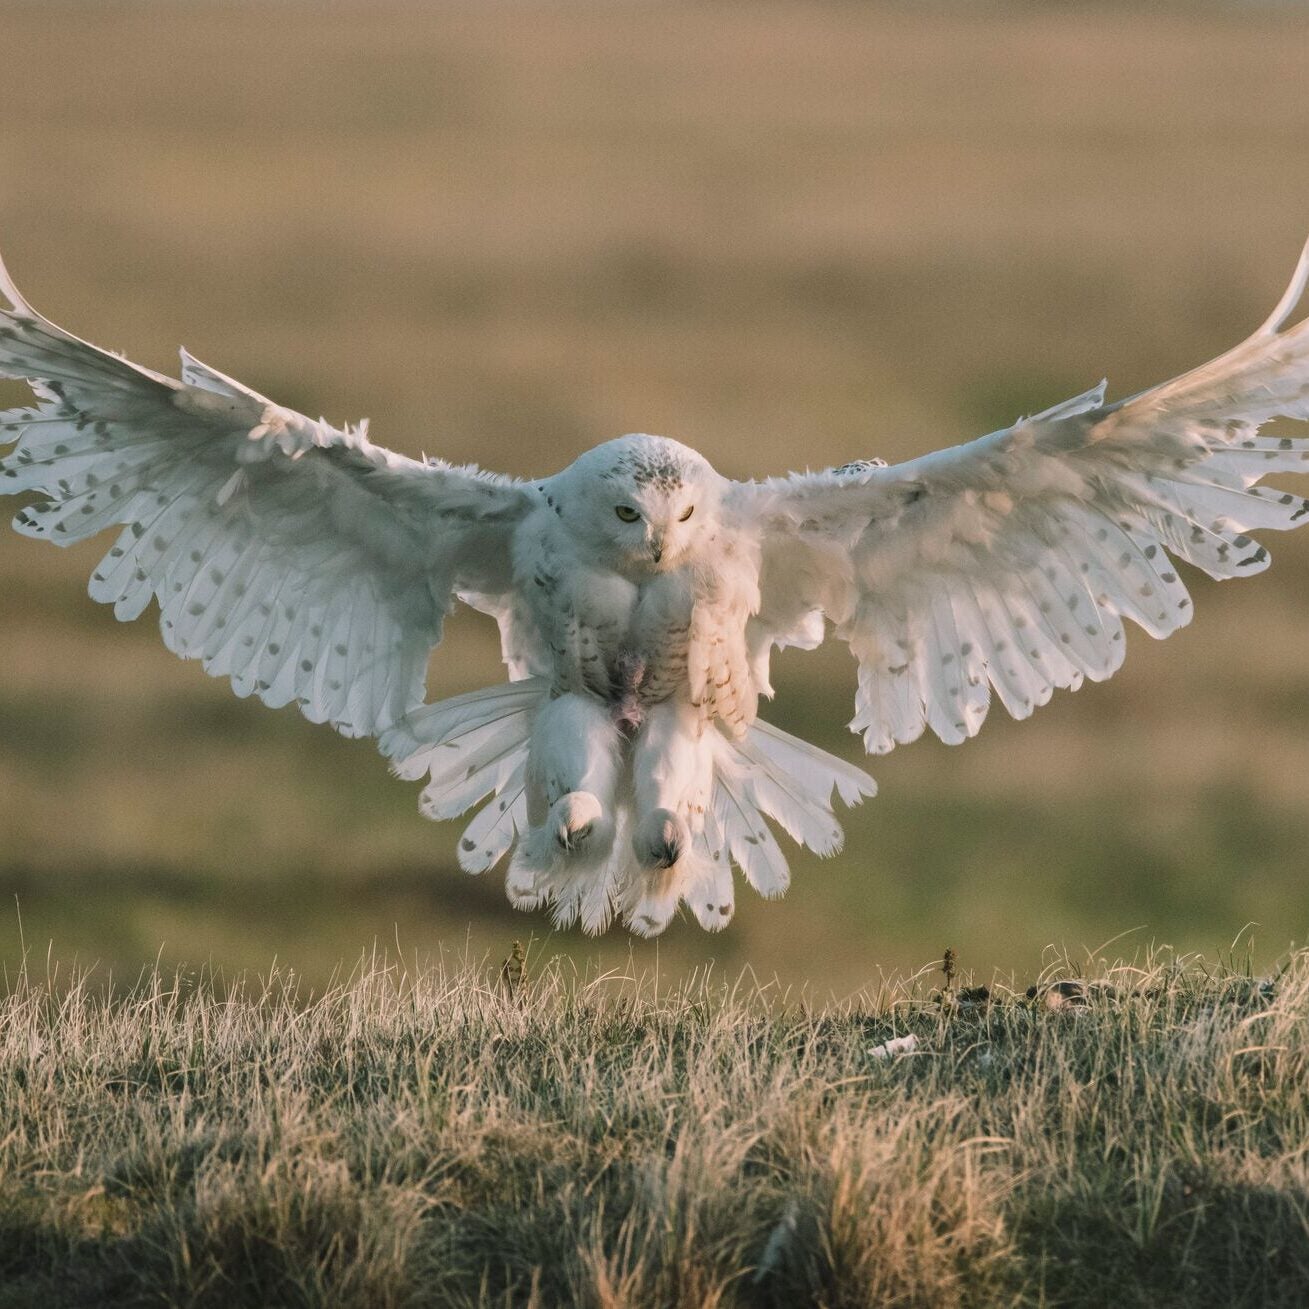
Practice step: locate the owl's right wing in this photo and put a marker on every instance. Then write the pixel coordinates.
(297, 559)
(1009, 563)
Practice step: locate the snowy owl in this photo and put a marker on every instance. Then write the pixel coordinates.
(639, 594)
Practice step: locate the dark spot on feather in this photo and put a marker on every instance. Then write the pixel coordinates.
(306, 666)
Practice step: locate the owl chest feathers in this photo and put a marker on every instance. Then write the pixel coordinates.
(635, 641)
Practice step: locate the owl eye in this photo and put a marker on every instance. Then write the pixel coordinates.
(626, 513)
(690, 509)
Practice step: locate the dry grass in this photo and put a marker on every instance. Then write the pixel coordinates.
(440, 1138)
(787, 233)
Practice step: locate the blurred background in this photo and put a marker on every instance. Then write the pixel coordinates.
(785, 233)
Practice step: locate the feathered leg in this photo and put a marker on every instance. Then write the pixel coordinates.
(573, 765)
(672, 779)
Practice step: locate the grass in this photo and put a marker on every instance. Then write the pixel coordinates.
(458, 1136)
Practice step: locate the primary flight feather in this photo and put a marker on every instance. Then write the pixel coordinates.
(639, 595)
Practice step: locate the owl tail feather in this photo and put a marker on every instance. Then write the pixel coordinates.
(472, 746)
(475, 746)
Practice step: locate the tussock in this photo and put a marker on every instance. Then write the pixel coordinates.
(441, 1138)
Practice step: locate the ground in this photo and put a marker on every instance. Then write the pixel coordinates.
(476, 1136)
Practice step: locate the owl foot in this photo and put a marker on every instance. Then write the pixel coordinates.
(573, 819)
(661, 839)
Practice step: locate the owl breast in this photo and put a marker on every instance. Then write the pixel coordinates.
(635, 644)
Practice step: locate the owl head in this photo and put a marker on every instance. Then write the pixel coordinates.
(652, 501)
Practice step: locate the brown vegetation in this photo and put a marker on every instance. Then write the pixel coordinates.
(434, 1138)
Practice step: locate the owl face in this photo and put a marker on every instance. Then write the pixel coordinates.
(650, 501)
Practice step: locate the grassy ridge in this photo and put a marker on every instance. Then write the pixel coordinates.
(447, 1137)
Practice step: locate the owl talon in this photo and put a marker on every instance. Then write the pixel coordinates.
(661, 840)
(569, 840)
(573, 819)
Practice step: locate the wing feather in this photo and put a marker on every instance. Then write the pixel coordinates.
(1009, 564)
(298, 560)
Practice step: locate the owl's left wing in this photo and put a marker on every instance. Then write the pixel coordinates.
(1009, 563)
(298, 559)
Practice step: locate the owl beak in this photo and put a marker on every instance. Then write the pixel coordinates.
(656, 548)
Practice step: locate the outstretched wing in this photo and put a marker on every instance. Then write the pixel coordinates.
(1008, 564)
(299, 560)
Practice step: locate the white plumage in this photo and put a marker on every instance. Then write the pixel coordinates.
(639, 594)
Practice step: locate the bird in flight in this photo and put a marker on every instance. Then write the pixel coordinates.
(639, 594)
